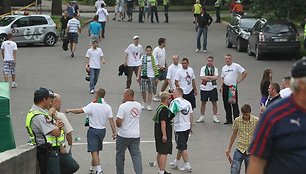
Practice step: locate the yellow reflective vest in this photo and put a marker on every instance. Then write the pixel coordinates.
(54, 141)
(305, 31)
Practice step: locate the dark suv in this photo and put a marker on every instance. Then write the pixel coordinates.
(238, 31)
(274, 36)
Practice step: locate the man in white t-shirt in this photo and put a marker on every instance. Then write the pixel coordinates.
(9, 54)
(182, 128)
(132, 60)
(185, 79)
(232, 74)
(172, 69)
(209, 76)
(128, 136)
(286, 91)
(103, 18)
(147, 74)
(159, 53)
(94, 56)
(98, 113)
(98, 4)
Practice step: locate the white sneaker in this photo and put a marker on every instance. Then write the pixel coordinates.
(149, 108)
(205, 51)
(197, 50)
(200, 120)
(14, 85)
(186, 169)
(143, 106)
(156, 98)
(92, 91)
(215, 119)
(174, 165)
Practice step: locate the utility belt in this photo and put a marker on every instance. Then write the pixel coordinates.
(47, 148)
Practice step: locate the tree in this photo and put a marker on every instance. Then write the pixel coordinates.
(291, 9)
(56, 7)
(6, 6)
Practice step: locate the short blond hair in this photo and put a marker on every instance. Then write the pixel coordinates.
(164, 96)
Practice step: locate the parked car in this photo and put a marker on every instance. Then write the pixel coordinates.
(29, 29)
(274, 36)
(238, 31)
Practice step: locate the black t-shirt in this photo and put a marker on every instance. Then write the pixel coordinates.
(264, 88)
(163, 116)
(64, 22)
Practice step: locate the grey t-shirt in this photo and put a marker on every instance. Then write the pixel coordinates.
(41, 126)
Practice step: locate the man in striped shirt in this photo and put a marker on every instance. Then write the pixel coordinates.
(279, 144)
(73, 28)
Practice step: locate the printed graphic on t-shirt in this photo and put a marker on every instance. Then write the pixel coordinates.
(135, 54)
(188, 78)
(134, 112)
(229, 70)
(185, 111)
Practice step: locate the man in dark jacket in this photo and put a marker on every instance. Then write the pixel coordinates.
(204, 20)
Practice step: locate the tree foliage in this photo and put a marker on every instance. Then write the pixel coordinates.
(5, 6)
(291, 9)
(56, 7)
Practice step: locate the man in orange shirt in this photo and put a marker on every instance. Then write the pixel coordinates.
(238, 8)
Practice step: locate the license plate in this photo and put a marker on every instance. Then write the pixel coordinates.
(281, 40)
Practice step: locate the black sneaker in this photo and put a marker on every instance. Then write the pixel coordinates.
(72, 54)
(165, 172)
(228, 123)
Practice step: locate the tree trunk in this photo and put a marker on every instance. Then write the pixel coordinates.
(6, 6)
(56, 7)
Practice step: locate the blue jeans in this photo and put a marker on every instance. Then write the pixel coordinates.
(237, 161)
(199, 34)
(94, 75)
(133, 145)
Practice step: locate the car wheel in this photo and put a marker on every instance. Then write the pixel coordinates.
(239, 48)
(249, 50)
(227, 42)
(50, 39)
(258, 54)
(3, 38)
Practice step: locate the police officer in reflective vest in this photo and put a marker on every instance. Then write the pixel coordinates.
(48, 136)
(154, 10)
(166, 9)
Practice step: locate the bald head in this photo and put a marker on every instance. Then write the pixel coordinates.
(128, 95)
(57, 102)
(175, 59)
(100, 93)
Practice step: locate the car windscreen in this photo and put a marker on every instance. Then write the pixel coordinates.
(247, 23)
(278, 28)
(5, 21)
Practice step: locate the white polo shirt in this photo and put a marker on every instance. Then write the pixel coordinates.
(231, 73)
(98, 114)
(94, 56)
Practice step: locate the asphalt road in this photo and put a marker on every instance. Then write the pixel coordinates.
(51, 67)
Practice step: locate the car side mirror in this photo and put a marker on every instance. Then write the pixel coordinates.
(14, 26)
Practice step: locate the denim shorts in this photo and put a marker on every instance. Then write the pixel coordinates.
(162, 74)
(95, 139)
(73, 37)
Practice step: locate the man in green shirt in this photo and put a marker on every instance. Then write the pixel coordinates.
(166, 9)
(141, 10)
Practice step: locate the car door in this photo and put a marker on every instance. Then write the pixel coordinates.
(21, 29)
(236, 31)
(253, 39)
(231, 29)
(38, 28)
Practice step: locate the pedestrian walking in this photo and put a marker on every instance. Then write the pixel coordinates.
(204, 21)
(75, 7)
(182, 128)
(264, 85)
(159, 53)
(217, 7)
(153, 4)
(98, 112)
(209, 89)
(185, 79)
(63, 23)
(69, 10)
(47, 135)
(279, 135)
(286, 91)
(95, 29)
(243, 127)
(147, 74)
(172, 69)
(9, 55)
(116, 6)
(130, 7)
(128, 123)
(132, 60)
(122, 9)
(73, 30)
(98, 4)
(94, 56)
(232, 74)
(141, 14)
(103, 18)
(166, 10)
(196, 10)
(163, 131)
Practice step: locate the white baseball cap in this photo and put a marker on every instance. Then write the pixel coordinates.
(135, 37)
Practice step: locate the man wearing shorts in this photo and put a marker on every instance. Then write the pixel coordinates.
(209, 75)
(147, 74)
(185, 79)
(98, 112)
(163, 131)
(160, 54)
(9, 53)
(128, 132)
(73, 27)
(182, 128)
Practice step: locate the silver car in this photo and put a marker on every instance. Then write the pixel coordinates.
(28, 29)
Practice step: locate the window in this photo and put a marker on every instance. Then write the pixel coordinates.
(6, 21)
(38, 20)
(22, 22)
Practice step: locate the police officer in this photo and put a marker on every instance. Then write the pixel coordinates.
(48, 136)
(154, 10)
(305, 33)
(166, 9)
(141, 10)
(217, 7)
